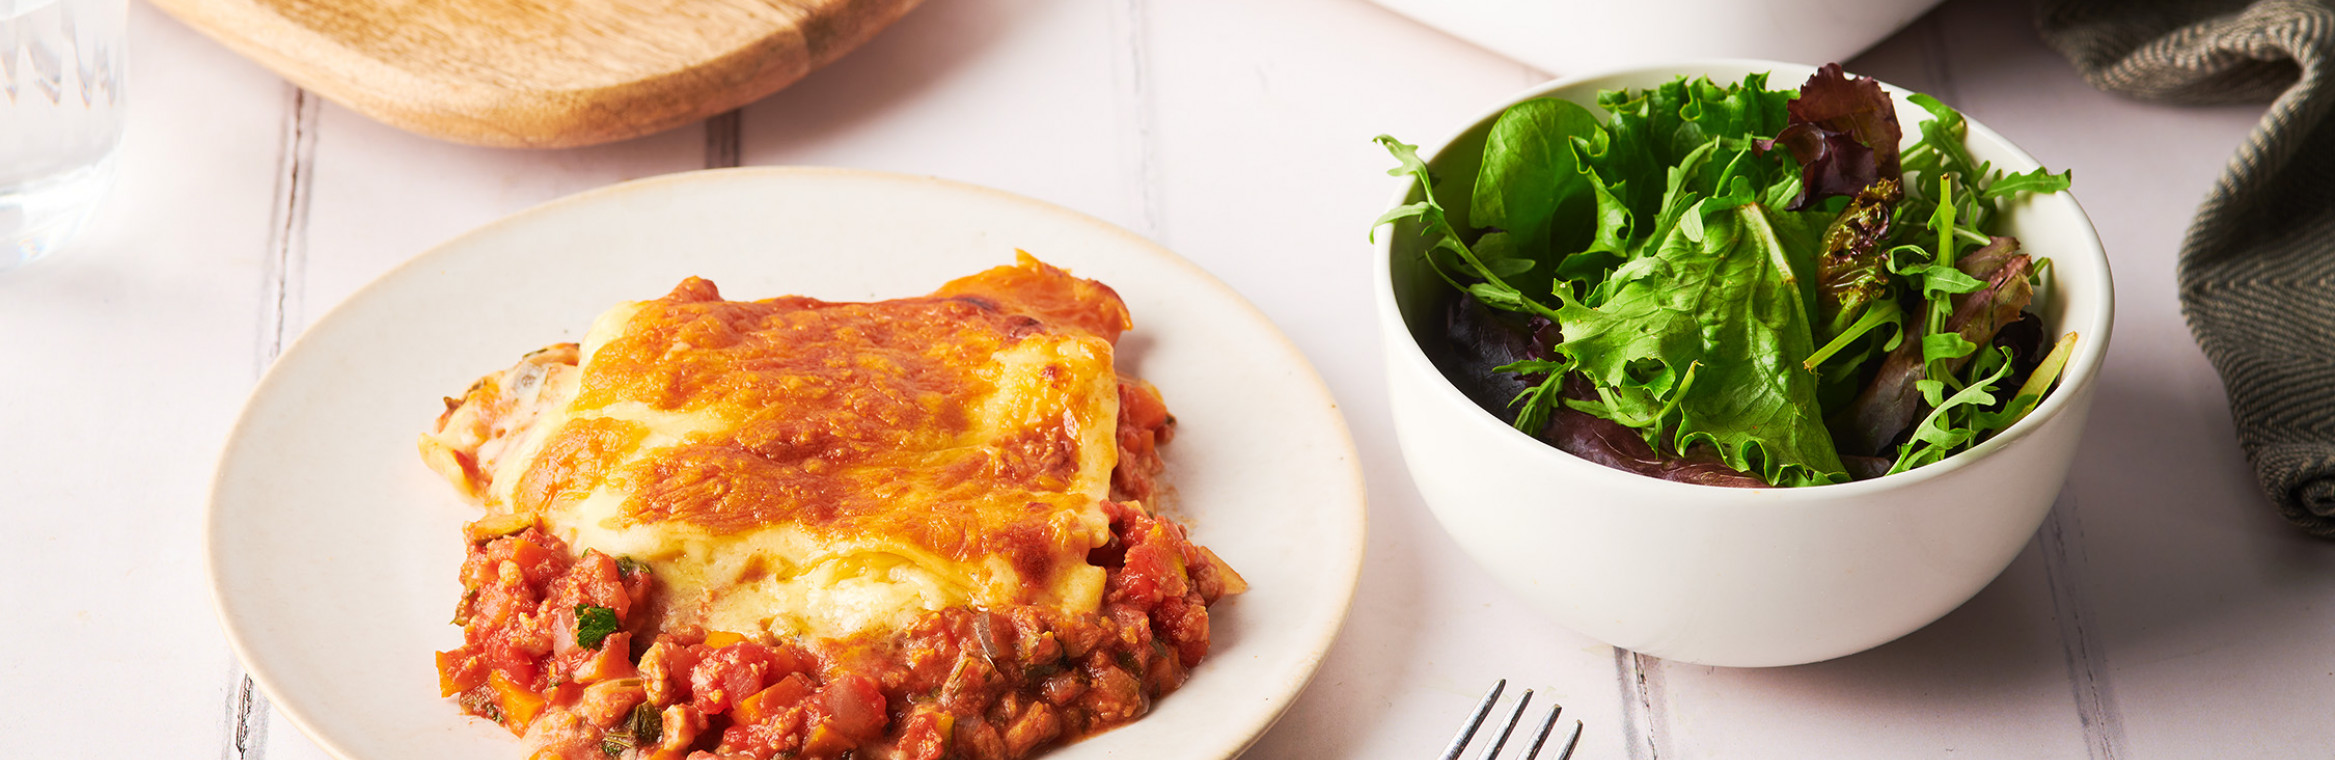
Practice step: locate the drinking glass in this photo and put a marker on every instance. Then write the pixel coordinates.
(61, 68)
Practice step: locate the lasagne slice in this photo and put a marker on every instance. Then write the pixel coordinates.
(799, 528)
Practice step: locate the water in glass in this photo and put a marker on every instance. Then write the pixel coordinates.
(61, 67)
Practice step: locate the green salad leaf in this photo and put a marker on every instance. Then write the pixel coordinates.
(1703, 339)
(1447, 251)
(1724, 297)
(1532, 178)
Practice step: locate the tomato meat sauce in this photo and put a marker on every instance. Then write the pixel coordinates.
(553, 650)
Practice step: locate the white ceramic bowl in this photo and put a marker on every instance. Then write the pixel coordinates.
(1740, 577)
(1567, 36)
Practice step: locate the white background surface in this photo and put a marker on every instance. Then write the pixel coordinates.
(2164, 611)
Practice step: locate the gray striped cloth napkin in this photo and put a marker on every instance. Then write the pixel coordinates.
(2257, 272)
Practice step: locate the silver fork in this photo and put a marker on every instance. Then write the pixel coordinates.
(1540, 735)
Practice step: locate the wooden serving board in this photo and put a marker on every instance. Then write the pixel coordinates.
(540, 73)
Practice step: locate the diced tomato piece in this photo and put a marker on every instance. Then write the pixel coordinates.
(728, 674)
(855, 707)
(503, 598)
(596, 582)
(1155, 563)
(924, 735)
(1141, 406)
(541, 564)
(612, 660)
(847, 712)
(788, 692)
(510, 656)
(563, 694)
(460, 670)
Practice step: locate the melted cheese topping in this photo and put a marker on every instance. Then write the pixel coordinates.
(800, 467)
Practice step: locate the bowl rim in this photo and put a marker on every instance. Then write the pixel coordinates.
(2082, 369)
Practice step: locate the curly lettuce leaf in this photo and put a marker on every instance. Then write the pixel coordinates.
(1702, 341)
(1655, 129)
(1661, 192)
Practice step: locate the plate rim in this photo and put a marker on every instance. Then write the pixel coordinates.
(1319, 640)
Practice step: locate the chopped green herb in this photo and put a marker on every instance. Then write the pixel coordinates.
(593, 624)
(646, 725)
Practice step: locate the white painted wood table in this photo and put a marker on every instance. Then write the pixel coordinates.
(2163, 611)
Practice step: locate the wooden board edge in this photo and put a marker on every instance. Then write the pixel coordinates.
(475, 113)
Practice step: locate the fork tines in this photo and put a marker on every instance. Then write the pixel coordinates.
(1540, 735)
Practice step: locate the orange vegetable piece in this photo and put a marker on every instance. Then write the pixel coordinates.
(459, 671)
(612, 661)
(519, 704)
(788, 692)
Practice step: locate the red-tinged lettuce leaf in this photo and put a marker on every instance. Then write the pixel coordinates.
(1609, 443)
(1883, 411)
(1844, 133)
(1478, 341)
(1852, 273)
(1985, 259)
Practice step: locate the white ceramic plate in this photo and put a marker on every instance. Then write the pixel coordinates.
(333, 551)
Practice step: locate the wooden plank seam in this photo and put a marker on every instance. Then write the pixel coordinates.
(2087, 665)
(1645, 710)
(285, 271)
(2087, 660)
(287, 259)
(1138, 115)
(250, 737)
